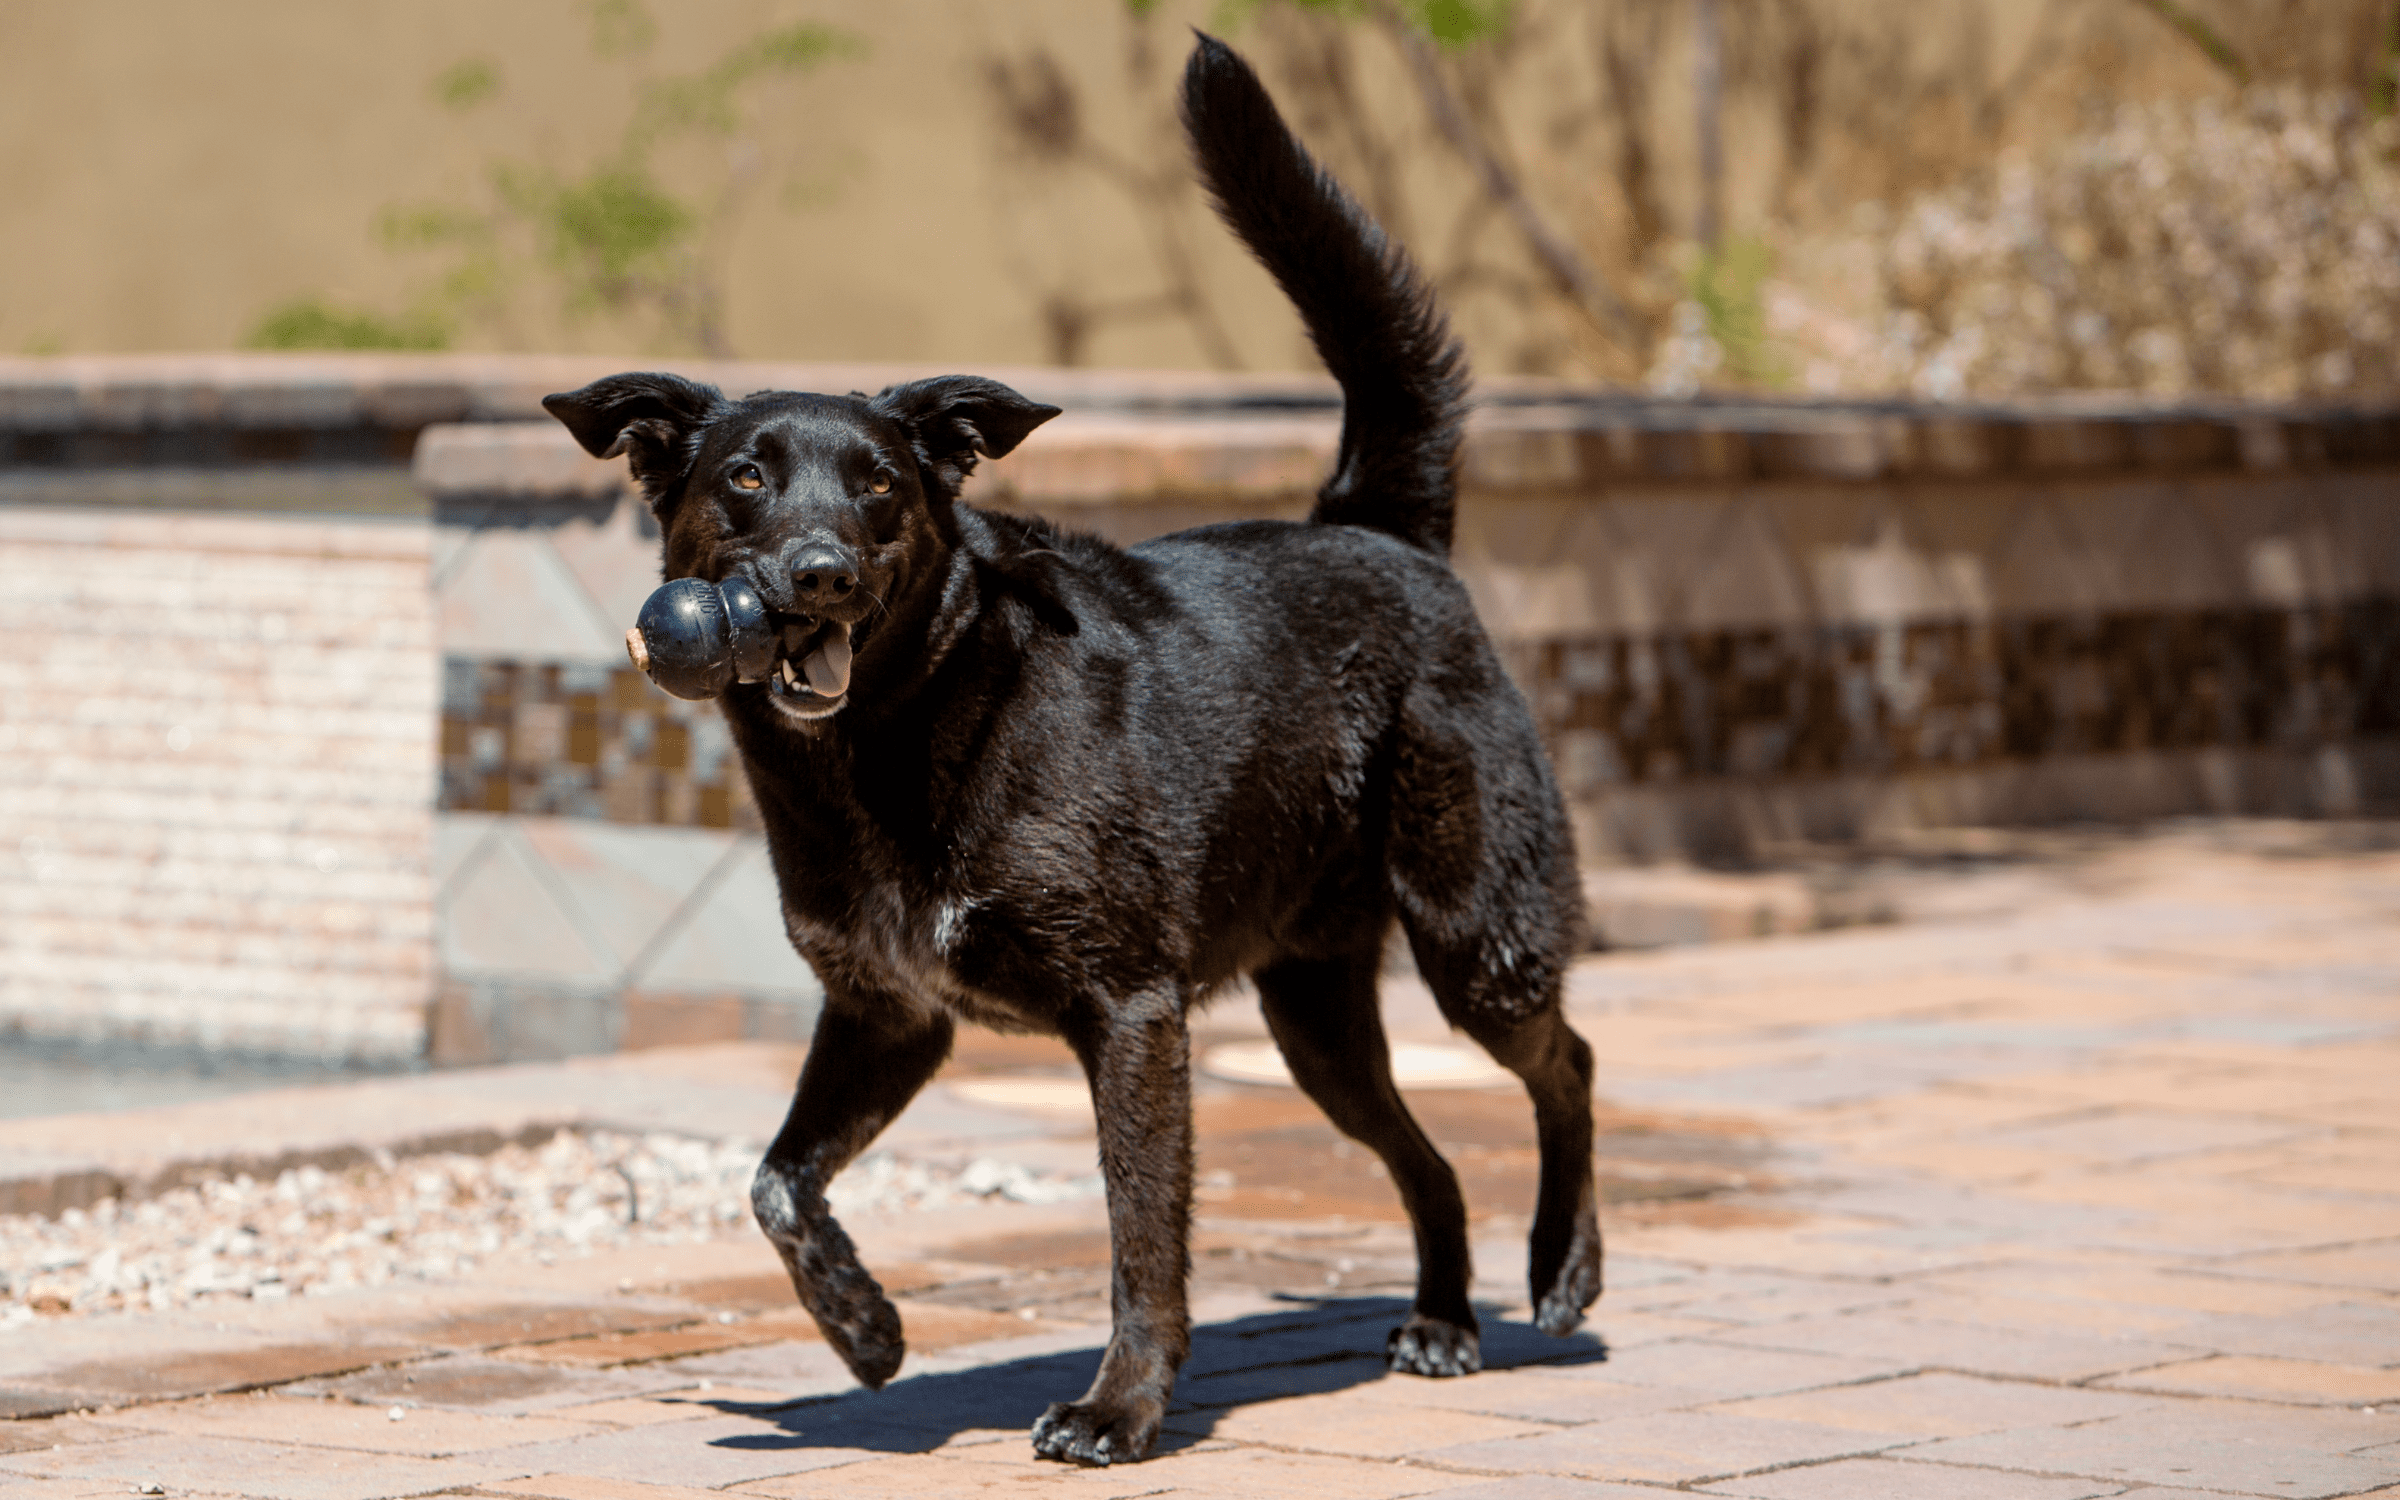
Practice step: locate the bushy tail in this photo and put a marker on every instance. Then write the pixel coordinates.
(1375, 324)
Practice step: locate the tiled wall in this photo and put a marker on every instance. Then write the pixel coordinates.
(1720, 668)
(567, 935)
(1717, 666)
(602, 883)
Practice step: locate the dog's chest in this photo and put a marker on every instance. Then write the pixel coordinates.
(931, 944)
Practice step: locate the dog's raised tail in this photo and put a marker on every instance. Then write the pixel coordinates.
(1374, 322)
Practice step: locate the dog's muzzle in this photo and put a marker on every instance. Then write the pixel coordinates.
(696, 639)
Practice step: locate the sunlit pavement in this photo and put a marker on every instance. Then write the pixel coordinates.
(2092, 1188)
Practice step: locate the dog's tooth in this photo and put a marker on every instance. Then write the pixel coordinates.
(788, 679)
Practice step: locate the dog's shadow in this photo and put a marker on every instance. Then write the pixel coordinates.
(1317, 1347)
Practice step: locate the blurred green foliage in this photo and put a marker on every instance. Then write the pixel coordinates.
(313, 323)
(466, 83)
(1728, 281)
(613, 236)
(1452, 23)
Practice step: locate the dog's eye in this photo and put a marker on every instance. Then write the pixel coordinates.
(881, 484)
(748, 477)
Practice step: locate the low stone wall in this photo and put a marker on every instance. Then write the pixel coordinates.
(1821, 625)
(216, 767)
(438, 817)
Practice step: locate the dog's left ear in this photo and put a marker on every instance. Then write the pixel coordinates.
(654, 420)
(950, 417)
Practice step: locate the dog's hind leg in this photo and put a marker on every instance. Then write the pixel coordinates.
(1484, 877)
(1138, 1056)
(867, 1061)
(1529, 1036)
(1325, 1018)
(1556, 1066)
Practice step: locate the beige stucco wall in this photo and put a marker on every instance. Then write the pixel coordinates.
(173, 171)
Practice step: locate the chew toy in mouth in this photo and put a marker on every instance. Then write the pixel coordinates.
(696, 639)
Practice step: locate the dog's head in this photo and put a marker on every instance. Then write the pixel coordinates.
(838, 508)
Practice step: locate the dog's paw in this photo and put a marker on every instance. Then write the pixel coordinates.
(1558, 1311)
(1092, 1432)
(1433, 1346)
(863, 1327)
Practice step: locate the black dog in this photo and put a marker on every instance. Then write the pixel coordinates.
(1017, 776)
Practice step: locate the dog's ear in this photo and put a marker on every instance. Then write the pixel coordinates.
(654, 420)
(952, 416)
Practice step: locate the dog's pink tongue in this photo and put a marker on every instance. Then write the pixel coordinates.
(828, 667)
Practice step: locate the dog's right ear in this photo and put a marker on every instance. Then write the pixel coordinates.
(654, 420)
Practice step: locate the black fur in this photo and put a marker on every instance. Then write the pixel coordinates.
(1076, 789)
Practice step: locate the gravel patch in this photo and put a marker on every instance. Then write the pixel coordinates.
(437, 1217)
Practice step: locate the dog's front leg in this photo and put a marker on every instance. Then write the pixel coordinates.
(868, 1060)
(1139, 1062)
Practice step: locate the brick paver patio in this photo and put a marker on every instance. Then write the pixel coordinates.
(2094, 1190)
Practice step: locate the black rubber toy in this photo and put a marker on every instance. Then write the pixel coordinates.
(696, 639)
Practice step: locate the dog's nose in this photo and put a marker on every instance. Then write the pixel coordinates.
(823, 575)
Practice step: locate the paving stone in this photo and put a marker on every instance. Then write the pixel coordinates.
(2074, 1315)
(342, 1424)
(1673, 1447)
(706, 1399)
(1354, 1423)
(606, 1350)
(2361, 1333)
(2200, 1444)
(1249, 1473)
(584, 1487)
(466, 1382)
(2374, 1265)
(2299, 1380)
(1976, 1349)
(2130, 1135)
(1794, 1299)
(1536, 1397)
(1548, 1487)
(711, 1452)
(56, 1432)
(2115, 1282)
(1277, 1382)
(1621, 1329)
(935, 1476)
(1725, 1369)
(1897, 1478)
(1939, 1405)
(803, 1369)
(269, 1471)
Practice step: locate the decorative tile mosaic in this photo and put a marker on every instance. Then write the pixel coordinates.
(1824, 700)
(582, 741)
(577, 739)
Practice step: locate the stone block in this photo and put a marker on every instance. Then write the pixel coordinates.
(278, 1419)
(714, 1452)
(1939, 1405)
(1725, 1369)
(2203, 1445)
(1900, 1478)
(1977, 1349)
(1677, 1447)
(1361, 1424)
(2258, 1378)
(185, 1465)
(585, 1487)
